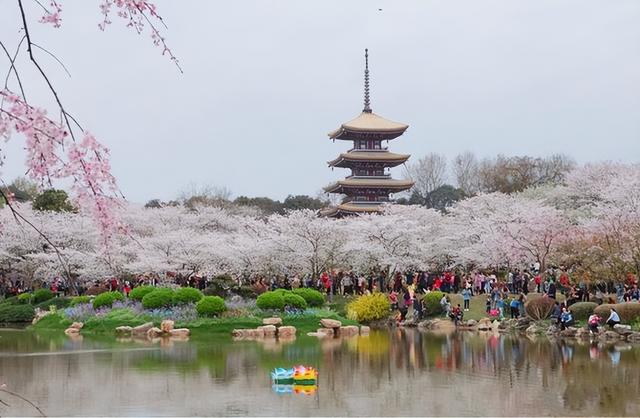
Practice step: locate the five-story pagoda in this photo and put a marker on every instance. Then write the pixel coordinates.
(370, 183)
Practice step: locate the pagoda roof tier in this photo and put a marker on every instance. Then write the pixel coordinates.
(389, 158)
(377, 183)
(352, 208)
(368, 124)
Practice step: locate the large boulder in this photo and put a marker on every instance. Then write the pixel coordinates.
(124, 330)
(349, 331)
(72, 331)
(330, 323)
(154, 332)
(327, 332)
(471, 323)
(569, 332)
(622, 329)
(286, 332)
(523, 323)
(166, 326)
(269, 331)
(272, 321)
(484, 324)
(364, 330)
(583, 333)
(142, 329)
(610, 336)
(634, 337)
(180, 332)
(77, 325)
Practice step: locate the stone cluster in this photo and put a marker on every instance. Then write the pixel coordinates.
(271, 328)
(334, 328)
(147, 329)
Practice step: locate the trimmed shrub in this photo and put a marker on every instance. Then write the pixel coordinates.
(137, 293)
(628, 311)
(59, 303)
(186, 295)
(312, 296)
(270, 300)
(539, 308)
(369, 307)
(106, 299)
(294, 301)
(210, 306)
(77, 300)
(16, 313)
(161, 297)
(41, 295)
(431, 303)
(24, 298)
(582, 310)
(220, 286)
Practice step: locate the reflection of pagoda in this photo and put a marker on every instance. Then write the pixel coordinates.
(370, 182)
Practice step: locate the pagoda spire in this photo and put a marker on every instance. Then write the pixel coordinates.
(367, 103)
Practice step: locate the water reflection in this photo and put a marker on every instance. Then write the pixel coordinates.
(387, 373)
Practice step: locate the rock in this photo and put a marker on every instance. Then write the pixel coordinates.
(166, 326)
(552, 330)
(315, 334)
(622, 329)
(153, 332)
(471, 323)
(364, 330)
(239, 333)
(38, 315)
(286, 332)
(272, 321)
(349, 331)
(484, 324)
(269, 331)
(257, 333)
(142, 329)
(532, 330)
(327, 332)
(124, 330)
(583, 333)
(180, 332)
(76, 325)
(330, 323)
(522, 323)
(72, 331)
(610, 336)
(569, 332)
(634, 337)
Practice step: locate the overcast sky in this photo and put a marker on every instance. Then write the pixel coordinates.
(265, 81)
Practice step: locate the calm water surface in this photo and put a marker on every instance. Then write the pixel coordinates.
(386, 373)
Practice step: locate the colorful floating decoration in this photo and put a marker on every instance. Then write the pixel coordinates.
(298, 379)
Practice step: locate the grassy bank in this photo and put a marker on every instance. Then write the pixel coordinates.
(306, 322)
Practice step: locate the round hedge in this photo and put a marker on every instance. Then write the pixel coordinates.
(582, 310)
(186, 295)
(137, 293)
(106, 299)
(539, 308)
(16, 313)
(271, 300)
(294, 301)
(431, 302)
(78, 300)
(312, 296)
(369, 307)
(160, 297)
(41, 295)
(210, 306)
(628, 311)
(24, 298)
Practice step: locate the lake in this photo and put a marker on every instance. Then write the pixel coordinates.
(396, 372)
